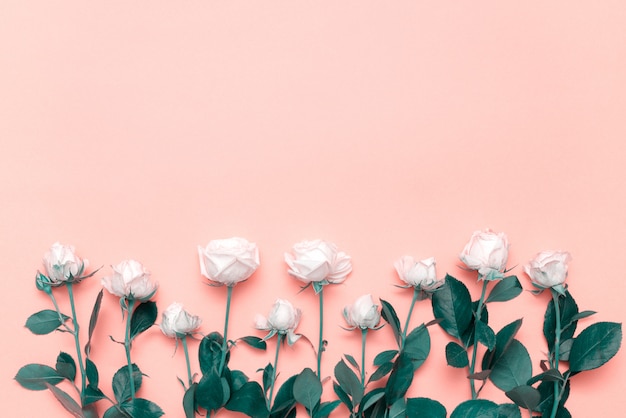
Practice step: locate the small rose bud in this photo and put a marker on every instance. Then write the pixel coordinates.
(318, 261)
(130, 280)
(549, 269)
(176, 322)
(486, 252)
(228, 261)
(363, 313)
(283, 319)
(422, 275)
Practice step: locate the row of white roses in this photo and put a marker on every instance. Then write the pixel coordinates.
(230, 261)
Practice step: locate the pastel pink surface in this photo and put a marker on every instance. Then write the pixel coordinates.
(143, 129)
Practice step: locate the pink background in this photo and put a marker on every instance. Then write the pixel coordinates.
(142, 129)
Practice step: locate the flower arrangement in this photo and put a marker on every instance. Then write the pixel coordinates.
(377, 390)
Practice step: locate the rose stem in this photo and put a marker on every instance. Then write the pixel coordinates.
(557, 343)
(56, 306)
(269, 400)
(479, 311)
(186, 350)
(321, 339)
(130, 306)
(225, 342)
(408, 318)
(70, 291)
(363, 336)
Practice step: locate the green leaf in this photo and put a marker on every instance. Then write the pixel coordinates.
(370, 399)
(568, 310)
(349, 382)
(506, 289)
(121, 383)
(144, 316)
(551, 375)
(478, 408)
(343, 396)
(453, 305)
(546, 389)
(37, 376)
(417, 346)
(389, 314)
(284, 400)
(513, 368)
(142, 408)
(468, 336)
(66, 366)
(381, 371)
(595, 345)
(326, 408)
(485, 334)
(237, 379)
(504, 337)
(116, 411)
(210, 352)
(66, 401)
(352, 361)
(424, 408)
(250, 400)
(92, 395)
(384, 357)
(525, 396)
(255, 342)
(268, 376)
(456, 356)
(93, 320)
(92, 373)
(397, 409)
(208, 393)
(509, 410)
(564, 349)
(189, 401)
(307, 389)
(44, 322)
(400, 379)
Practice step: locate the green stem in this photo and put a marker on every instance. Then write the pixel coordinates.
(269, 400)
(479, 311)
(320, 344)
(408, 318)
(186, 350)
(70, 291)
(363, 336)
(225, 342)
(557, 343)
(127, 345)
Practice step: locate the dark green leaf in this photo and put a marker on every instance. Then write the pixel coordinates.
(326, 408)
(525, 396)
(44, 322)
(546, 389)
(143, 318)
(268, 377)
(384, 357)
(210, 352)
(237, 379)
(504, 337)
(564, 349)
(478, 408)
(551, 375)
(513, 368)
(116, 411)
(37, 376)
(307, 389)
(189, 401)
(595, 345)
(400, 379)
(468, 336)
(121, 383)
(424, 408)
(66, 401)
(208, 393)
(417, 346)
(397, 409)
(453, 305)
(343, 396)
(142, 408)
(254, 342)
(90, 411)
(284, 399)
(92, 395)
(249, 399)
(509, 410)
(485, 334)
(371, 398)
(93, 320)
(568, 309)
(506, 289)
(456, 356)
(66, 366)
(381, 372)
(352, 361)
(349, 382)
(389, 314)
(92, 373)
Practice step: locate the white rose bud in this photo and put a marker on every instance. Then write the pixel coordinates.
(228, 261)
(283, 319)
(549, 269)
(362, 314)
(130, 280)
(487, 252)
(62, 265)
(318, 262)
(176, 322)
(421, 275)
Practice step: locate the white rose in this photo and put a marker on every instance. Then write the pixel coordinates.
(130, 280)
(486, 252)
(419, 274)
(176, 322)
(363, 313)
(548, 269)
(318, 261)
(228, 261)
(62, 265)
(283, 319)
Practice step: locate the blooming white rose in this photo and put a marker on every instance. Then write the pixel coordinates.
(176, 322)
(549, 269)
(487, 252)
(420, 274)
(283, 319)
(318, 261)
(228, 261)
(363, 313)
(130, 280)
(63, 265)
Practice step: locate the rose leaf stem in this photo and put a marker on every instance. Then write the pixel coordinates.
(56, 307)
(363, 337)
(278, 343)
(186, 350)
(479, 311)
(83, 382)
(321, 338)
(127, 344)
(408, 318)
(229, 296)
(557, 343)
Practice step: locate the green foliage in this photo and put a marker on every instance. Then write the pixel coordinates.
(424, 408)
(400, 378)
(478, 408)
(93, 320)
(189, 401)
(525, 396)
(210, 352)
(37, 376)
(121, 383)
(389, 314)
(384, 357)
(505, 289)
(485, 334)
(44, 322)
(509, 410)
(513, 368)
(417, 346)
(568, 310)
(307, 389)
(456, 356)
(92, 373)
(453, 305)
(208, 393)
(143, 317)
(595, 345)
(66, 401)
(254, 342)
(250, 400)
(284, 400)
(66, 366)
